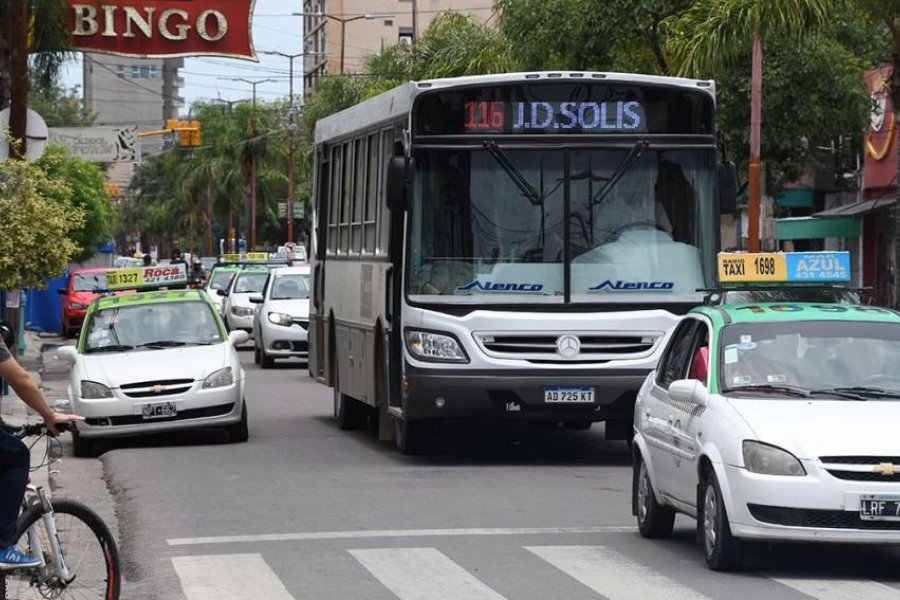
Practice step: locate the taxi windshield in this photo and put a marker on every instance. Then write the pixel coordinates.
(852, 359)
(89, 282)
(250, 282)
(151, 326)
(290, 287)
(220, 280)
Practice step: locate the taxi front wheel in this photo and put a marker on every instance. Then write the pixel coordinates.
(723, 551)
(654, 519)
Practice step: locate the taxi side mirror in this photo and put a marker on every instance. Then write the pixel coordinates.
(256, 299)
(66, 354)
(688, 390)
(222, 293)
(238, 336)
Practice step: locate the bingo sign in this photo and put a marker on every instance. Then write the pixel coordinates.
(146, 277)
(784, 267)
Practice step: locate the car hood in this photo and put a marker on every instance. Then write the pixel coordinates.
(813, 428)
(295, 308)
(189, 362)
(242, 299)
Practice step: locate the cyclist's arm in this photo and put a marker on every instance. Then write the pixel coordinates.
(28, 391)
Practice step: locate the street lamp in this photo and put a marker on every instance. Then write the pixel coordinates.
(343, 21)
(252, 219)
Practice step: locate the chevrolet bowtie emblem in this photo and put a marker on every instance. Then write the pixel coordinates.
(159, 389)
(886, 469)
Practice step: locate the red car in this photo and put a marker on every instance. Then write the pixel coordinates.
(82, 287)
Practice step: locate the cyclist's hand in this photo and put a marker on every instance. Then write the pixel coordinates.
(58, 418)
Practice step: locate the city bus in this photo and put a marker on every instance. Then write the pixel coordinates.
(510, 247)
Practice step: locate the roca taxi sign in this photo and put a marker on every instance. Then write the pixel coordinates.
(146, 277)
(784, 267)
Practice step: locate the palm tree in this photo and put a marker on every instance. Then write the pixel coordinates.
(713, 34)
(888, 13)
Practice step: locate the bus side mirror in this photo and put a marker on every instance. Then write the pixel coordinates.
(728, 187)
(397, 190)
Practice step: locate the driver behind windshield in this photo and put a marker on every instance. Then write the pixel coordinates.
(632, 204)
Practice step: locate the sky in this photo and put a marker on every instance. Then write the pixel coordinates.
(274, 29)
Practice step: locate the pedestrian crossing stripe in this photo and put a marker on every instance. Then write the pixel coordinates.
(425, 573)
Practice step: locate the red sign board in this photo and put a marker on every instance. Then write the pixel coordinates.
(163, 28)
(881, 137)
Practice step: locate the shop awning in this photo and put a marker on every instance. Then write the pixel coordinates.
(809, 228)
(856, 209)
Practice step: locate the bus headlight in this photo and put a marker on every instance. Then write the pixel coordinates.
(428, 345)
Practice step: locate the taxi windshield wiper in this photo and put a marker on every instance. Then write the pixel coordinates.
(871, 392)
(110, 348)
(847, 393)
(789, 390)
(161, 344)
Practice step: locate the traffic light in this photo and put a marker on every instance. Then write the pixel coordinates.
(195, 133)
(184, 133)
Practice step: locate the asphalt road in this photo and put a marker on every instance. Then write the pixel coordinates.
(306, 511)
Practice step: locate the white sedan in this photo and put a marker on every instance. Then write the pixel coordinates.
(237, 310)
(281, 321)
(153, 362)
(772, 422)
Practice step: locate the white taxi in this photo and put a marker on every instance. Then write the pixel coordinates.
(154, 361)
(281, 321)
(772, 421)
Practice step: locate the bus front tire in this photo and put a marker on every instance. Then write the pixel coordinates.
(348, 412)
(412, 437)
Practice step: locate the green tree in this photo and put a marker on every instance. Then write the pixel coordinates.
(84, 189)
(35, 242)
(60, 107)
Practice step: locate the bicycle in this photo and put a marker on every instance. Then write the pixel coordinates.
(79, 557)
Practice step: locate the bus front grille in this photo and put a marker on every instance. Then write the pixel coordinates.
(545, 346)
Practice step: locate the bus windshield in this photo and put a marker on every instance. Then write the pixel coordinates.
(493, 223)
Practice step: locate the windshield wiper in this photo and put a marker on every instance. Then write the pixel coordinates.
(110, 348)
(789, 390)
(161, 344)
(871, 392)
(626, 163)
(524, 186)
(839, 392)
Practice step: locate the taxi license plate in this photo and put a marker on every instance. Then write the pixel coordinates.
(879, 508)
(569, 395)
(158, 410)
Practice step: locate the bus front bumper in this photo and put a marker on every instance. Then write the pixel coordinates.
(519, 395)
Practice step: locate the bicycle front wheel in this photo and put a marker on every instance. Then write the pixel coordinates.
(87, 546)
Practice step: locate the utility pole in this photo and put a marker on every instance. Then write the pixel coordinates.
(343, 21)
(252, 223)
(415, 20)
(18, 66)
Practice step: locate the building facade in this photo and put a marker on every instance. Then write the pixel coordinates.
(340, 34)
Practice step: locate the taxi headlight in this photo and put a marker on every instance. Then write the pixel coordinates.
(435, 346)
(241, 311)
(91, 390)
(220, 378)
(77, 306)
(278, 318)
(770, 460)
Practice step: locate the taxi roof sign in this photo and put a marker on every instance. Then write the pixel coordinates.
(246, 257)
(146, 277)
(784, 267)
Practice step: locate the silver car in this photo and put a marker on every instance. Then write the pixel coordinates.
(281, 321)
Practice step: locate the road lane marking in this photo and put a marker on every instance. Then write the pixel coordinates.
(611, 574)
(840, 589)
(422, 574)
(228, 577)
(389, 533)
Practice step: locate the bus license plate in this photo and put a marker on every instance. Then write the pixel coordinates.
(879, 508)
(158, 410)
(569, 395)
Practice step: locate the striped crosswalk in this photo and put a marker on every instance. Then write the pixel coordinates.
(428, 573)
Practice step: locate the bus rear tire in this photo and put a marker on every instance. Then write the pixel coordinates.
(348, 413)
(412, 437)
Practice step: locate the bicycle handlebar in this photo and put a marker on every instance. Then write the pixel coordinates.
(24, 431)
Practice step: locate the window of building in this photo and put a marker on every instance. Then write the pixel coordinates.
(120, 71)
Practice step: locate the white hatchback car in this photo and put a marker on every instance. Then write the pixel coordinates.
(772, 422)
(237, 310)
(281, 322)
(152, 362)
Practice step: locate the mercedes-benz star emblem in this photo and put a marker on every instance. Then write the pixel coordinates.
(568, 346)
